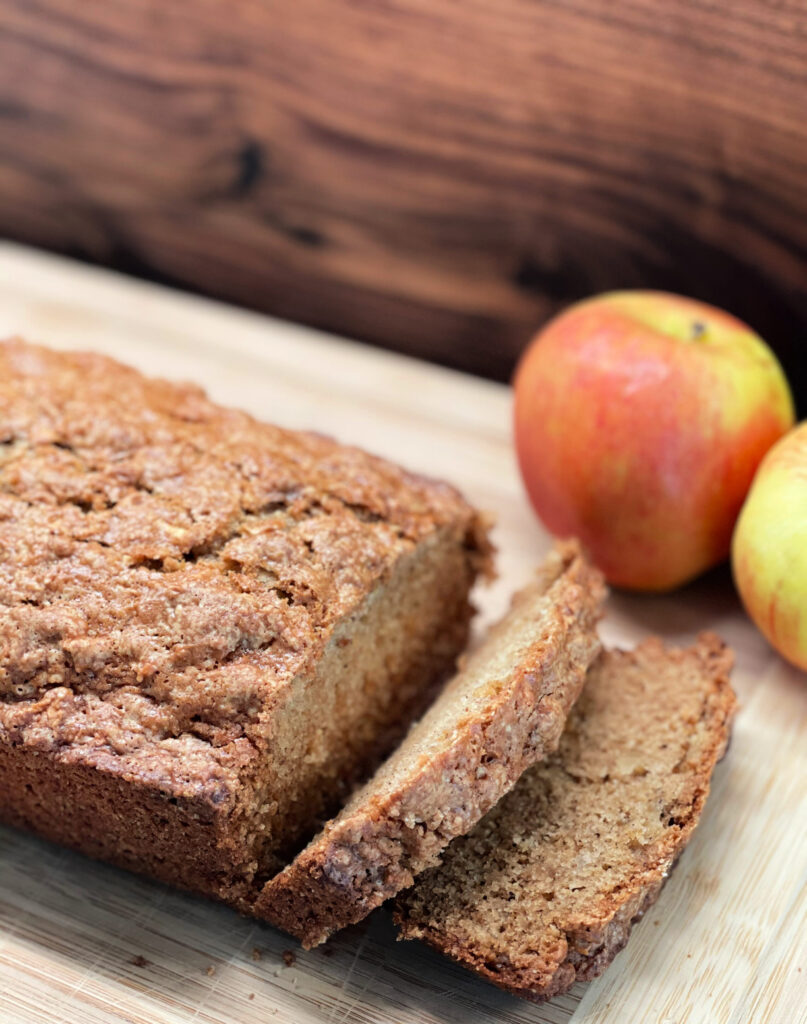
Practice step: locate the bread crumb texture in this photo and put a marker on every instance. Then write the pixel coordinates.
(504, 710)
(543, 892)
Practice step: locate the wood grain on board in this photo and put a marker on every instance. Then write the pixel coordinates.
(83, 943)
(433, 176)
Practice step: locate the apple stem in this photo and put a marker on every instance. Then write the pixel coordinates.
(698, 329)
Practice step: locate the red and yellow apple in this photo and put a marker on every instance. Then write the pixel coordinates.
(640, 420)
(769, 549)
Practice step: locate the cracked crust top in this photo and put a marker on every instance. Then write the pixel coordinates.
(543, 892)
(166, 565)
(504, 710)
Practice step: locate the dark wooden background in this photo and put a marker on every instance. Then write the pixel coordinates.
(433, 175)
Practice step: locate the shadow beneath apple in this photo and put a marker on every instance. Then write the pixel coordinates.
(709, 603)
(687, 610)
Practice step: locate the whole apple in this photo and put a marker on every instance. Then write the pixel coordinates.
(769, 549)
(640, 420)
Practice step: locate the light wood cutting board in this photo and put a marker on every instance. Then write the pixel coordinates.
(83, 943)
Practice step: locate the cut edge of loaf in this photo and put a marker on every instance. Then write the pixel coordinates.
(402, 820)
(379, 671)
(590, 943)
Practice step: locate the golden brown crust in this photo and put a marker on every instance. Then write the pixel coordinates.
(170, 569)
(501, 713)
(533, 947)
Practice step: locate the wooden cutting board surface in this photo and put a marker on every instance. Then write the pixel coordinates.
(83, 943)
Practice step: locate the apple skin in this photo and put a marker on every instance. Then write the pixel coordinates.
(769, 548)
(640, 420)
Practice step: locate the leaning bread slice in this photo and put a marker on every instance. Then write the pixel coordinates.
(503, 711)
(543, 892)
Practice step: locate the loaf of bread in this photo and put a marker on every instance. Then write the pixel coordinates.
(504, 710)
(544, 891)
(210, 628)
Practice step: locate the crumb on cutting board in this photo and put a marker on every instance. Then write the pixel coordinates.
(139, 961)
(289, 959)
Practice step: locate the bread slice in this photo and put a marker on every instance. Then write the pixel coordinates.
(544, 891)
(504, 710)
(212, 628)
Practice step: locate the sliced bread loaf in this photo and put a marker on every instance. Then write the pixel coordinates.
(210, 628)
(503, 711)
(544, 891)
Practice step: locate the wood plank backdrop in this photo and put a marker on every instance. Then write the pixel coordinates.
(434, 176)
